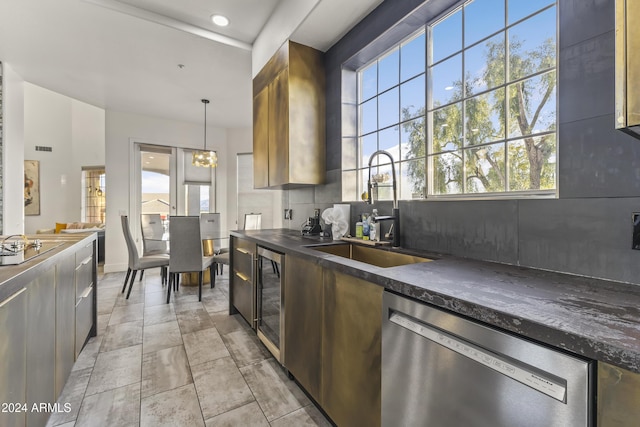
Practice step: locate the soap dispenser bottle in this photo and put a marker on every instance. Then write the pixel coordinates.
(373, 226)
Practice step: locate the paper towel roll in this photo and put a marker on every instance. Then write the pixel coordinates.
(346, 210)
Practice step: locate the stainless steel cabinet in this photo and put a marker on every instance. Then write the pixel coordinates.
(84, 274)
(242, 291)
(65, 320)
(13, 328)
(41, 345)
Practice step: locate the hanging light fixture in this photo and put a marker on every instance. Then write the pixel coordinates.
(205, 158)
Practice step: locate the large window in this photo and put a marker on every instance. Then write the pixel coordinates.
(484, 123)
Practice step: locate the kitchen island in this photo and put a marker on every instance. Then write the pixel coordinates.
(595, 319)
(47, 313)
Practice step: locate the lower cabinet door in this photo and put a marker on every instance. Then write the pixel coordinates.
(303, 324)
(13, 330)
(84, 318)
(41, 345)
(351, 350)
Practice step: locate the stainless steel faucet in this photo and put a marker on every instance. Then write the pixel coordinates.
(394, 231)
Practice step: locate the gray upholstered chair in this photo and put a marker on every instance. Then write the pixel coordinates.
(210, 229)
(152, 232)
(137, 262)
(186, 252)
(252, 221)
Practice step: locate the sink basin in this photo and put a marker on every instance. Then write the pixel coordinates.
(370, 255)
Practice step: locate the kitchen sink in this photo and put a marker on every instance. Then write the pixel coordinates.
(369, 255)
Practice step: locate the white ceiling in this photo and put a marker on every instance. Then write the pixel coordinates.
(124, 55)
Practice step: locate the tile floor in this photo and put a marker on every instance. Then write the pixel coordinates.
(186, 363)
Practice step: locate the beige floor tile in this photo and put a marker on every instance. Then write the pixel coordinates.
(177, 407)
(158, 314)
(247, 415)
(204, 346)
(192, 317)
(161, 335)
(122, 335)
(103, 321)
(309, 416)
(88, 355)
(215, 301)
(71, 395)
(126, 313)
(106, 303)
(117, 407)
(220, 387)
(245, 348)
(276, 394)
(136, 296)
(155, 298)
(165, 370)
(226, 324)
(116, 369)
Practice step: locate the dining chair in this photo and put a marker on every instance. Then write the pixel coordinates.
(186, 252)
(153, 242)
(137, 262)
(152, 235)
(253, 221)
(210, 229)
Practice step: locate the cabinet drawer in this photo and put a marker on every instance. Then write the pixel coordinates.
(243, 262)
(244, 245)
(243, 296)
(84, 318)
(84, 276)
(84, 253)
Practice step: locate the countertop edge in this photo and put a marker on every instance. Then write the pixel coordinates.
(13, 277)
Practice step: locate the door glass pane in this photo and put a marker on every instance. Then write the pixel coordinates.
(155, 182)
(197, 199)
(94, 195)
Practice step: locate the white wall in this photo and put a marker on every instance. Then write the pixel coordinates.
(239, 141)
(289, 14)
(13, 151)
(76, 133)
(122, 131)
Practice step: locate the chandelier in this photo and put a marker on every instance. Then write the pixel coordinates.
(205, 158)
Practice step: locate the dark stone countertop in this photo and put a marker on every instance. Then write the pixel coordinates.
(594, 318)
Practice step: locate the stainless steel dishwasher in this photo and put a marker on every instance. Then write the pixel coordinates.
(441, 370)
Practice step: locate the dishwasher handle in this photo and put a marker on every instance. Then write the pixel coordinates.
(491, 360)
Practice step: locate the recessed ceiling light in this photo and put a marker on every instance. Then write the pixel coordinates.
(220, 20)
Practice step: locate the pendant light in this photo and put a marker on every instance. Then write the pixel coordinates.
(205, 158)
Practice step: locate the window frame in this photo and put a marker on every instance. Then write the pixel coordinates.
(352, 78)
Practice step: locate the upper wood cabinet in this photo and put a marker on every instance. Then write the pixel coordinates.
(289, 119)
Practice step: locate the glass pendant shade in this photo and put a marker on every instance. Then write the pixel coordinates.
(205, 158)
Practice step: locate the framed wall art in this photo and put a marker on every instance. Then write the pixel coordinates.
(31, 187)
